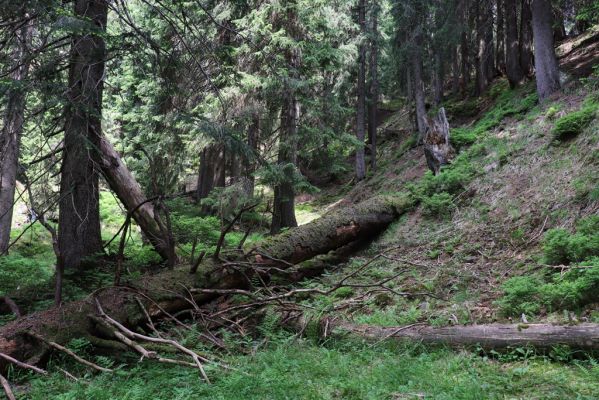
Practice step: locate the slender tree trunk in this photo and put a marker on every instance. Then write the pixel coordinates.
(12, 127)
(79, 219)
(526, 59)
(545, 60)
(559, 29)
(481, 66)
(361, 106)
(247, 161)
(374, 86)
(500, 40)
(464, 49)
(455, 71)
(284, 196)
(438, 76)
(491, 71)
(515, 75)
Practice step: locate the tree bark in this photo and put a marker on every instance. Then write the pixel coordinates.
(129, 192)
(418, 84)
(464, 49)
(526, 59)
(500, 40)
(284, 196)
(10, 139)
(79, 219)
(545, 61)
(361, 88)
(515, 75)
(437, 149)
(374, 85)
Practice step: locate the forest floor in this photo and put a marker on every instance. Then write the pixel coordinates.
(475, 255)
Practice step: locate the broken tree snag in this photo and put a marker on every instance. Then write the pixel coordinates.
(437, 149)
(332, 231)
(127, 189)
(492, 336)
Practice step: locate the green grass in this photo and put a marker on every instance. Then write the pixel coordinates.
(349, 370)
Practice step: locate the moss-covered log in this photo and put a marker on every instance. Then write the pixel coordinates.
(165, 293)
(357, 222)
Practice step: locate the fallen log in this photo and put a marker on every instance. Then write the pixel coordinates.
(358, 222)
(583, 336)
(168, 292)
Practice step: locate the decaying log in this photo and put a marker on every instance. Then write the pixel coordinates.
(358, 222)
(127, 189)
(168, 292)
(489, 336)
(437, 149)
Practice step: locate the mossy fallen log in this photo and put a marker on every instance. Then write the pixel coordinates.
(165, 293)
(357, 222)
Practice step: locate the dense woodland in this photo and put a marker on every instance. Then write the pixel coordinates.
(275, 194)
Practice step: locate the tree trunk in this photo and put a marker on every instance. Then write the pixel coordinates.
(438, 76)
(247, 161)
(361, 88)
(545, 60)
(211, 173)
(284, 196)
(455, 71)
(526, 59)
(515, 75)
(124, 185)
(464, 50)
(418, 84)
(500, 40)
(79, 219)
(482, 57)
(559, 29)
(168, 290)
(10, 139)
(374, 86)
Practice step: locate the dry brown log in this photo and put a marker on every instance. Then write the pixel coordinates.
(583, 336)
(167, 292)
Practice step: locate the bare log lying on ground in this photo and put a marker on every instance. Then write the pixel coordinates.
(491, 336)
(161, 295)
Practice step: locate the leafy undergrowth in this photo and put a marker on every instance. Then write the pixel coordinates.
(300, 369)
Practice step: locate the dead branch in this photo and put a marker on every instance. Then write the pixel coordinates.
(7, 389)
(23, 365)
(133, 335)
(70, 353)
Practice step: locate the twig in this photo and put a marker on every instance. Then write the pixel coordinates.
(147, 315)
(7, 388)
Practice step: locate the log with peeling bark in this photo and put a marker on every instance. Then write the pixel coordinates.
(583, 336)
(167, 292)
(127, 189)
